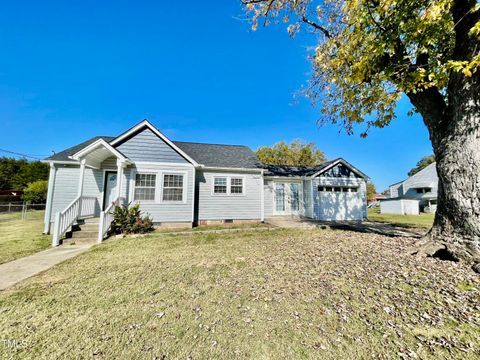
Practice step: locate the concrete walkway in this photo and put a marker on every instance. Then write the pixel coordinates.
(15, 271)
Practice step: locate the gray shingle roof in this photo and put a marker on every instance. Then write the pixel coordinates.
(64, 155)
(219, 155)
(293, 171)
(215, 155)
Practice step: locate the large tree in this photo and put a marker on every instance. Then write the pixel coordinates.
(422, 164)
(297, 153)
(370, 52)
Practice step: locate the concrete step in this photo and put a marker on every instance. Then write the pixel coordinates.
(92, 221)
(87, 227)
(85, 234)
(79, 241)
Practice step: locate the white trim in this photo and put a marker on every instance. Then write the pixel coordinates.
(312, 204)
(156, 132)
(184, 187)
(49, 202)
(214, 168)
(96, 144)
(344, 162)
(143, 163)
(229, 178)
(262, 199)
(193, 194)
(60, 162)
(102, 193)
(145, 172)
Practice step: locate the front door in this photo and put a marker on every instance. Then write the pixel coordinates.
(110, 188)
(287, 198)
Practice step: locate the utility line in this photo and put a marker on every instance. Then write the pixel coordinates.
(36, 157)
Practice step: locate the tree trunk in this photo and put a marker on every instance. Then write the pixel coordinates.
(456, 143)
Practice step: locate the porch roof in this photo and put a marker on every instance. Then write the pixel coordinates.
(97, 152)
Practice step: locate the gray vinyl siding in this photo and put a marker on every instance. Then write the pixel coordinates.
(110, 163)
(148, 147)
(268, 198)
(424, 178)
(66, 187)
(236, 207)
(165, 212)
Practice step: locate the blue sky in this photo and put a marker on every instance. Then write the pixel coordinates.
(70, 70)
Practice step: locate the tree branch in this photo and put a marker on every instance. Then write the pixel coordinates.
(316, 26)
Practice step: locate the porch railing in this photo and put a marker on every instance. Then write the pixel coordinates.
(80, 207)
(87, 206)
(106, 218)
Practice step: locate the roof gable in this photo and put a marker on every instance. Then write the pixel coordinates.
(144, 125)
(145, 146)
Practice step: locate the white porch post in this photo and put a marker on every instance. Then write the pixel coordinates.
(120, 165)
(80, 184)
(262, 200)
(49, 203)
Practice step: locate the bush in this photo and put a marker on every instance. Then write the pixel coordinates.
(128, 220)
(36, 192)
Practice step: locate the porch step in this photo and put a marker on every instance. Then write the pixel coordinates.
(93, 221)
(86, 232)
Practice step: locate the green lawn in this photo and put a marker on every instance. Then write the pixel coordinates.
(423, 221)
(19, 237)
(299, 294)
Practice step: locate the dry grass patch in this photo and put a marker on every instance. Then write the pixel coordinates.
(278, 294)
(19, 238)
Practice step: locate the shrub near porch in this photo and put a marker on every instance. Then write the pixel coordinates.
(276, 294)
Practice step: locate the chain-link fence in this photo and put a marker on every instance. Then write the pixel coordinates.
(20, 207)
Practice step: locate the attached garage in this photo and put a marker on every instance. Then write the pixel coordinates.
(333, 191)
(337, 203)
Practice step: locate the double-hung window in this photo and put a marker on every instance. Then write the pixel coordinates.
(172, 187)
(145, 187)
(236, 186)
(228, 185)
(220, 185)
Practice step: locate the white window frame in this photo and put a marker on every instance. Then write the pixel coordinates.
(134, 179)
(158, 185)
(226, 185)
(184, 187)
(229, 185)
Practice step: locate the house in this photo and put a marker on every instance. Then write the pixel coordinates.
(186, 183)
(422, 186)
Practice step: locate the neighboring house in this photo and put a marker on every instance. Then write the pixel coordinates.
(185, 183)
(422, 186)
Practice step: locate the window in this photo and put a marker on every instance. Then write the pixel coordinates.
(295, 198)
(337, 189)
(172, 187)
(353, 189)
(423, 190)
(236, 186)
(279, 197)
(220, 185)
(144, 187)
